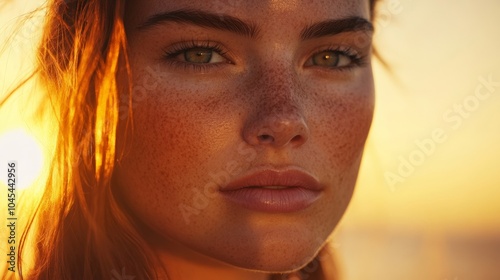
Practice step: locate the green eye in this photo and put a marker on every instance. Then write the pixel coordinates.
(202, 55)
(331, 59)
(198, 55)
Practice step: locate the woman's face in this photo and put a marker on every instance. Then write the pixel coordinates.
(249, 121)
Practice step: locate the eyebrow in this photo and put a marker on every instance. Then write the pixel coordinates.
(235, 25)
(203, 19)
(336, 26)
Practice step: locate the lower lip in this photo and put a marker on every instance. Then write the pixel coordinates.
(273, 200)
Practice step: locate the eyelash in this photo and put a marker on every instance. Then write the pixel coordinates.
(176, 50)
(172, 52)
(357, 60)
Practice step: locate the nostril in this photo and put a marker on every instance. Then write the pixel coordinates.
(297, 138)
(265, 138)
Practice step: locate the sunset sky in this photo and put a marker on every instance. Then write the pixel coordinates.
(438, 52)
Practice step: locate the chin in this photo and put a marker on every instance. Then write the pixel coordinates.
(275, 255)
(277, 262)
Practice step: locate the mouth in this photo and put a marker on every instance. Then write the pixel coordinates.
(271, 187)
(274, 191)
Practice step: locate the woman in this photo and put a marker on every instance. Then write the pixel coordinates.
(200, 139)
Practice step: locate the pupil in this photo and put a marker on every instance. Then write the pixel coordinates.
(326, 59)
(198, 55)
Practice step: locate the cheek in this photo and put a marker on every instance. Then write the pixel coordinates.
(178, 133)
(341, 121)
(152, 159)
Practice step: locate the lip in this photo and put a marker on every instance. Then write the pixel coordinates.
(275, 191)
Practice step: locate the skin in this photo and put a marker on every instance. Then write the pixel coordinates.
(191, 122)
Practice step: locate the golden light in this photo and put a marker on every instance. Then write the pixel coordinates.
(443, 211)
(21, 147)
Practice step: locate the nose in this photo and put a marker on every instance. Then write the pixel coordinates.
(276, 119)
(277, 131)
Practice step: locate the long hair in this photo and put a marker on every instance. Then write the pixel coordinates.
(79, 228)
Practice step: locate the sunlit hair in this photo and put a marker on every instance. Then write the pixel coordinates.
(79, 228)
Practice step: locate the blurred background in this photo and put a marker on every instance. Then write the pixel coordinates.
(427, 203)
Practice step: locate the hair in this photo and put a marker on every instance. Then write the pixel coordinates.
(79, 228)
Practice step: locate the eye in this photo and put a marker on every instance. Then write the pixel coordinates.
(201, 55)
(335, 59)
(330, 59)
(195, 53)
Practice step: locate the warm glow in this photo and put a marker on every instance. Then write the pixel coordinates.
(431, 170)
(437, 123)
(25, 150)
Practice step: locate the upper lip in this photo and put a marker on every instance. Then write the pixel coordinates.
(274, 177)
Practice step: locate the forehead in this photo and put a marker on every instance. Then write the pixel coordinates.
(260, 12)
